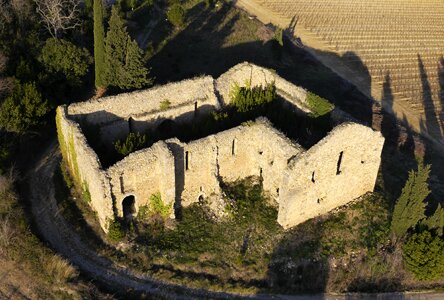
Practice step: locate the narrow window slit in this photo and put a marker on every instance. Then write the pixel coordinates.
(233, 147)
(186, 160)
(338, 166)
(313, 177)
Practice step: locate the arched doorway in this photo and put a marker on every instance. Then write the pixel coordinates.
(128, 208)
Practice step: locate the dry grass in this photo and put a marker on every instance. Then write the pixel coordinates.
(59, 269)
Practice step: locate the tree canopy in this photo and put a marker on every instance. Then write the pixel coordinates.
(123, 57)
(409, 208)
(23, 109)
(61, 56)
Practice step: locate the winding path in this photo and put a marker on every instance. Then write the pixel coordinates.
(63, 239)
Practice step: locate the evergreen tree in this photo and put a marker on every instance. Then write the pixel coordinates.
(409, 208)
(424, 256)
(436, 221)
(99, 46)
(123, 57)
(23, 109)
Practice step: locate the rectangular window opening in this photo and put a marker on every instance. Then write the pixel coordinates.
(233, 147)
(186, 161)
(338, 166)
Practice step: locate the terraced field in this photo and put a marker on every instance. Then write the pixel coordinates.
(393, 50)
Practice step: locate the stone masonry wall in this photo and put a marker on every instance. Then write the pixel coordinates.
(305, 184)
(245, 73)
(341, 167)
(143, 174)
(85, 167)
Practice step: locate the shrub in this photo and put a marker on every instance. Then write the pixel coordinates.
(436, 221)
(157, 207)
(424, 256)
(115, 231)
(278, 36)
(176, 15)
(63, 57)
(165, 104)
(318, 105)
(409, 208)
(133, 142)
(23, 109)
(245, 99)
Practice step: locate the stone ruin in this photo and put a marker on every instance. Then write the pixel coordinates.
(304, 183)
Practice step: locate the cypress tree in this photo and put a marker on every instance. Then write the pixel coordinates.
(99, 46)
(409, 208)
(436, 221)
(123, 57)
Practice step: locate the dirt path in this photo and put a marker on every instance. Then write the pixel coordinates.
(55, 230)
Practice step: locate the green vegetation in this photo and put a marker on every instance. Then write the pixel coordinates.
(123, 57)
(409, 208)
(99, 44)
(165, 104)
(61, 57)
(318, 105)
(424, 256)
(23, 109)
(435, 221)
(133, 142)
(156, 206)
(176, 15)
(278, 36)
(115, 231)
(247, 98)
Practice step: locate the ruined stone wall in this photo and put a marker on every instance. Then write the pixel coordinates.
(341, 167)
(143, 174)
(245, 73)
(255, 150)
(85, 167)
(142, 110)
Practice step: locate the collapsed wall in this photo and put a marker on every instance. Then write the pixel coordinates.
(247, 74)
(341, 167)
(117, 116)
(85, 167)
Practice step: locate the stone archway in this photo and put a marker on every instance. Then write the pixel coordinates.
(128, 207)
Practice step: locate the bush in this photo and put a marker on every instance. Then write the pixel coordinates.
(165, 104)
(59, 269)
(318, 105)
(62, 57)
(245, 99)
(157, 207)
(23, 109)
(424, 256)
(278, 36)
(176, 15)
(133, 142)
(115, 231)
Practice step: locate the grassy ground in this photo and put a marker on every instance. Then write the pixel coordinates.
(348, 250)
(29, 269)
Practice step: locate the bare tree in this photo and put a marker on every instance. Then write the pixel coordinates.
(22, 10)
(59, 15)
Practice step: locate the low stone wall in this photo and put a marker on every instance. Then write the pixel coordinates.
(143, 174)
(341, 167)
(126, 105)
(246, 73)
(85, 167)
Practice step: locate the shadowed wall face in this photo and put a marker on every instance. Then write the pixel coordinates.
(143, 174)
(341, 167)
